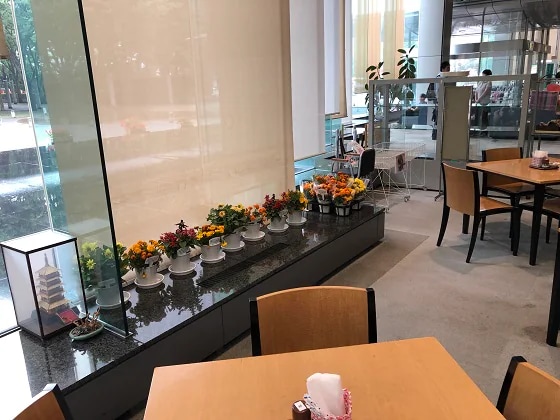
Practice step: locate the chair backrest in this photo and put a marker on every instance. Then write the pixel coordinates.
(312, 318)
(366, 164)
(501, 153)
(461, 191)
(49, 404)
(529, 393)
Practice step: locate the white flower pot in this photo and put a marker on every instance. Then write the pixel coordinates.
(108, 293)
(278, 223)
(324, 208)
(343, 211)
(252, 230)
(211, 252)
(295, 217)
(233, 241)
(146, 275)
(181, 263)
(310, 206)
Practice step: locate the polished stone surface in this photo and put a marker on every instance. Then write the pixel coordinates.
(152, 312)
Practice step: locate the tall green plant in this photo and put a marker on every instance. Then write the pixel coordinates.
(374, 73)
(407, 64)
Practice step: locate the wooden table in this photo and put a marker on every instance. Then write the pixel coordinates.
(409, 379)
(519, 169)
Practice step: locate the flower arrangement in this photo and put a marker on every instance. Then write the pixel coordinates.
(138, 253)
(295, 200)
(123, 262)
(98, 262)
(359, 188)
(308, 191)
(183, 237)
(343, 196)
(274, 207)
(206, 232)
(229, 217)
(256, 213)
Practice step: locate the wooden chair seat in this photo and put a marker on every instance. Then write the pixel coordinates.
(489, 205)
(551, 209)
(528, 393)
(514, 188)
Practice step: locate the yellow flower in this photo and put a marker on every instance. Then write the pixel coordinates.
(224, 243)
(151, 248)
(222, 213)
(90, 264)
(108, 253)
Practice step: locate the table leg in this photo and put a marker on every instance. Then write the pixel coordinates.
(536, 226)
(554, 311)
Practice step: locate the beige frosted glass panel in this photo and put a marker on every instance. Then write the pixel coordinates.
(195, 106)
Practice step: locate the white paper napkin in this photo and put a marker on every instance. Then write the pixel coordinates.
(325, 389)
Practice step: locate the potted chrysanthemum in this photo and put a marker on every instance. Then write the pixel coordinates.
(144, 258)
(256, 215)
(296, 203)
(210, 239)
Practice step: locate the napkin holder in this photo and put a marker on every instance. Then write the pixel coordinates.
(316, 413)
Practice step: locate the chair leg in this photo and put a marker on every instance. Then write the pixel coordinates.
(476, 223)
(466, 219)
(514, 202)
(516, 218)
(482, 227)
(444, 219)
(548, 228)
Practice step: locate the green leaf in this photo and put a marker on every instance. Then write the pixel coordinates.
(411, 60)
(401, 51)
(366, 87)
(401, 62)
(371, 68)
(385, 73)
(412, 68)
(411, 48)
(380, 64)
(371, 76)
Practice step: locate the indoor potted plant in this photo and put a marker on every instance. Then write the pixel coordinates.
(342, 199)
(256, 215)
(309, 192)
(144, 258)
(359, 188)
(233, 219)
(97, 263)
(276, 212)
(296, 203)
(209, 237)
(177, 246)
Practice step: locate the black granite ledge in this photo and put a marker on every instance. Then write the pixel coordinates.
(154, 314)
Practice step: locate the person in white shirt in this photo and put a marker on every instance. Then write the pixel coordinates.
(483, 97)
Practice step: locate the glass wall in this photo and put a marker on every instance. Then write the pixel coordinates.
(62, 113)
(23, 208)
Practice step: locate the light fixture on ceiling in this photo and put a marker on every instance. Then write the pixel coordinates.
(4, 52)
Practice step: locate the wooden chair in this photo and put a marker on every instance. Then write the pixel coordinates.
(502, 184)
(461, 193)
(528, 393)
(312, 318)
(551, 209)
(49, 404)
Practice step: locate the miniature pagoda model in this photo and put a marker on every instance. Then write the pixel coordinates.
(51, 293)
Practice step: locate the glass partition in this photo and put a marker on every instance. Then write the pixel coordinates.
(63, 116)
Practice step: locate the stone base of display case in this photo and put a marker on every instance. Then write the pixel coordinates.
(189, 319)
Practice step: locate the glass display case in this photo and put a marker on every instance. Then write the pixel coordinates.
(45, 280)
